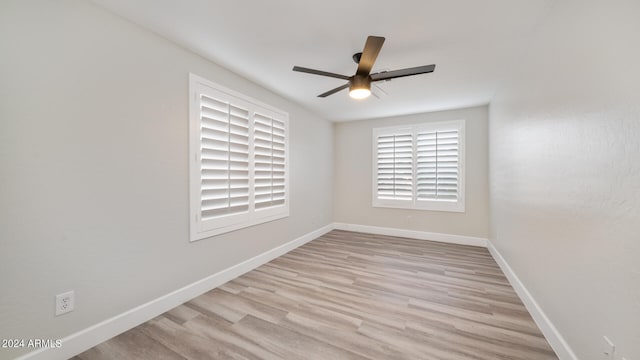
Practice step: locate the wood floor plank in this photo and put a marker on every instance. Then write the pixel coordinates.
(133, 344)
(290, 344)
(232, 344)
(348, 295)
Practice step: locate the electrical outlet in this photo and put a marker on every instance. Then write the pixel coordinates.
(65, 302)
(608, 349)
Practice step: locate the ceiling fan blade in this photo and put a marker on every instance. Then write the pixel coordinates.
(320, 72)
(333, 91)
(369, 54)
(386, 75)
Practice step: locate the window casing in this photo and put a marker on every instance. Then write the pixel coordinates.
(239, 166)
(420, 166)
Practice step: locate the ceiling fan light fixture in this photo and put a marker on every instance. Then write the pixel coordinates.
(359, 93)
(360, 87)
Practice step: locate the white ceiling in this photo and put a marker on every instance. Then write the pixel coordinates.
(470, 41)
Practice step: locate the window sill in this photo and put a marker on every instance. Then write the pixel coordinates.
(432, 206)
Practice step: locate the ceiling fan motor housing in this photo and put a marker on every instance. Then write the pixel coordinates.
(360, 82)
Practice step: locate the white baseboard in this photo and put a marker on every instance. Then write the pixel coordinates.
(414, 234)
(93, 335)
(553, 336)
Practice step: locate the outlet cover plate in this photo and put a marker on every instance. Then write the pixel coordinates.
(65, 302)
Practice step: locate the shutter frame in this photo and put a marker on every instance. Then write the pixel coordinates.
(446, 171)
(222, 191)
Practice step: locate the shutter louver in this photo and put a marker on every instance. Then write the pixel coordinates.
(437, 165)
(395, 167)
(224, 158)
(269, 166)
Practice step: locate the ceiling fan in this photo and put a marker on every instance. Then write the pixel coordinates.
(360, 84)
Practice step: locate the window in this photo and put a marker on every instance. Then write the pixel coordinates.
(419, 166)
(238, 160)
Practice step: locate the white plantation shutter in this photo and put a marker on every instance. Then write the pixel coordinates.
(269, 170)
(239, 167)
(224, 164)
(437, 165)
(395, 166)
(420, 166)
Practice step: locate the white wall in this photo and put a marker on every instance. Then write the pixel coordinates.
(565, 172)
(353, 177)
(94, 169)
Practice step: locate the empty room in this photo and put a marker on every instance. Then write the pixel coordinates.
(209, 179)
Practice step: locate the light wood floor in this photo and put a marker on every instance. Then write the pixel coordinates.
(348, 295)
